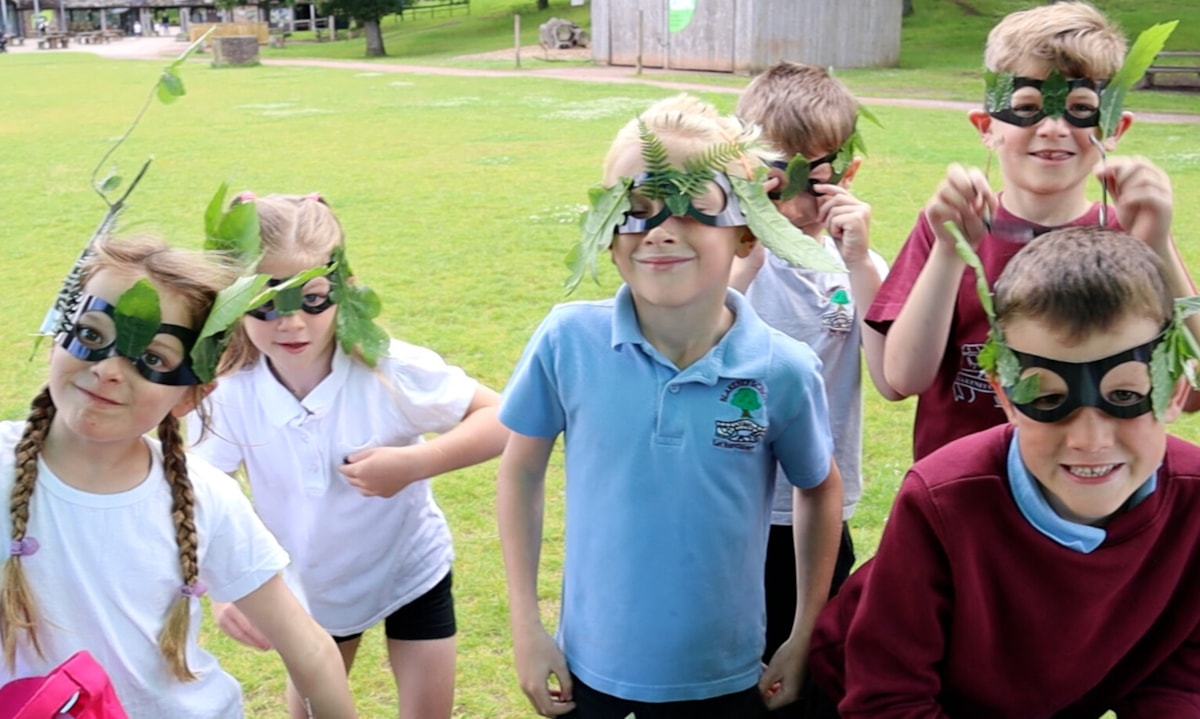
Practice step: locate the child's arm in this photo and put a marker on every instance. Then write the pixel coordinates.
(384, 471)
(308, 651)
(848, 220)
(520, 495)
(816, 531)
(917, 339)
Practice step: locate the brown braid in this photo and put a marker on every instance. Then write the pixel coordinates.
(19, 610)
(173, 640)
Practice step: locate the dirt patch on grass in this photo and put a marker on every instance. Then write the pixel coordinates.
(576, 54)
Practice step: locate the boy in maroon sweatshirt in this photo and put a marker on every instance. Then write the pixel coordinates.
(1049, 567)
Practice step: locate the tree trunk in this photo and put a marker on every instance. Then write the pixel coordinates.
(908, 8)
(374, 38)
(543, 4)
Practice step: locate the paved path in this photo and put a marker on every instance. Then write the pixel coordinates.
(149, 48)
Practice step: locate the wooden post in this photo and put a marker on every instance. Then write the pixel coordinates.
(332, 28)
(517, 38)
(639, 36)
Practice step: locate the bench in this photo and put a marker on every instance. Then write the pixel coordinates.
(14, 39)
(432, 6)
(1168, 62)
(52, 41)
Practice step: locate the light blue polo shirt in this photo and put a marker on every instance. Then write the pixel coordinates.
(669, 479)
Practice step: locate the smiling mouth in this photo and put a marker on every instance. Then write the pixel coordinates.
(1091, 474)
(293, 347)
(1053, 155)
(99, 399)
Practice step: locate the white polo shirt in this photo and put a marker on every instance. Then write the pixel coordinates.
(357, 559)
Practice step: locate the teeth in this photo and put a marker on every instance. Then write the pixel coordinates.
(1092, 471)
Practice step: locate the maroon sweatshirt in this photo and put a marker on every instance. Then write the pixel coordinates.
(967, 611)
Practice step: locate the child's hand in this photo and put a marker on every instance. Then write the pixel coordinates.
(848, 220)
(964, 198)
(745, 269)
(231, 621)
(539, 659)
(1142, 195)
(780, 682)
(380, 471)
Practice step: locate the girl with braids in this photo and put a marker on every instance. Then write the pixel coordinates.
(328, 415)
(115, 536)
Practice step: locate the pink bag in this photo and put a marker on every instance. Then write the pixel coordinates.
(78, 688)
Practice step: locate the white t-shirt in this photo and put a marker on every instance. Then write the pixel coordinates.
(817, 309)
(357, 559)
(106, 573)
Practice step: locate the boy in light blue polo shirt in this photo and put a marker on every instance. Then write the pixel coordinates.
(676, 402)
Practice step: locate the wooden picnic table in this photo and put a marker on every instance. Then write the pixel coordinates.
(1172, 62)
(53, 40)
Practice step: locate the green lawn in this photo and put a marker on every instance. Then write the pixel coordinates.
(459, 198)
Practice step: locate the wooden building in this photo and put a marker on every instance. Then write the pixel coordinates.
(746, 36)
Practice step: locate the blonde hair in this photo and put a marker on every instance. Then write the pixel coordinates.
(688, 126)
(802, 109)
(195, 279)
(297, 226)
(1072, 37)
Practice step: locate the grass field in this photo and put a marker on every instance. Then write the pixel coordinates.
(459, 197)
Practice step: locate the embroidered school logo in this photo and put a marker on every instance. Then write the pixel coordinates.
(746, 396)
(971, 380)
(839, 319)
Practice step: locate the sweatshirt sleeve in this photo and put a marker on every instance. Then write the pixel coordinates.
(897, 639)
(1173, 690)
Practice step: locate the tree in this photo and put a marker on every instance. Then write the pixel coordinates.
(366, 13)
(908, 8)
(543, 4)
(746, 400)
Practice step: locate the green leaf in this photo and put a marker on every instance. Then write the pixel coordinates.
(797, 177)
(1025, 390)
(779, 236)
(137, 317)
(231, 303)
(1054, 94)
(358, 306)
(607, 209)
(212, 215)
(170, 86)
(998, 90)
(863, 112)
(1147, 46)
(967, 253)
(238, 230)
(1162, 384)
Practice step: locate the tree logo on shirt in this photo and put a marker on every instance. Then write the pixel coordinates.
(746, 396)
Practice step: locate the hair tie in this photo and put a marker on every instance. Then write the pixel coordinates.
(195, 590)
(315, 197)
(245, 196)
(23, 547)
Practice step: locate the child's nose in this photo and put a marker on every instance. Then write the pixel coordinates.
(1056, 126)
(1090, 429)
(112, 368)
(662, 234)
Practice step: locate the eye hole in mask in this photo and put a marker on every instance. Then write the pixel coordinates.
(1118, 385)
(716, 206)
(92, 337)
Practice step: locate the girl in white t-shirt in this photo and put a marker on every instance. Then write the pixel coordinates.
(115, 536)
(328, 416)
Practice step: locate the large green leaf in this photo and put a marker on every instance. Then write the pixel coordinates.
(230, 305)
(1147, 46)
(778, 235)
(170, 86)
(607, 208)
(358, 306)
(138, 318)
(998, 90)
(1054, 94)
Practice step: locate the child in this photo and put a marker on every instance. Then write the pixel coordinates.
(810, 117)
(1047, 151)
(115, 536)
(1047, 568)
(676, 403)
(334, 451)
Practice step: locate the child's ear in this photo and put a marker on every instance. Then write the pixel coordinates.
(1110, 142)
(192, 399)
(983, 123)
(746, 243)
(851, 171)
(1002, 397)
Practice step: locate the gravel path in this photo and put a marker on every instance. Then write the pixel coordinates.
(149, 48)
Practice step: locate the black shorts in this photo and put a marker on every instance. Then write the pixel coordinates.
(429, 616)
(592, 704)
